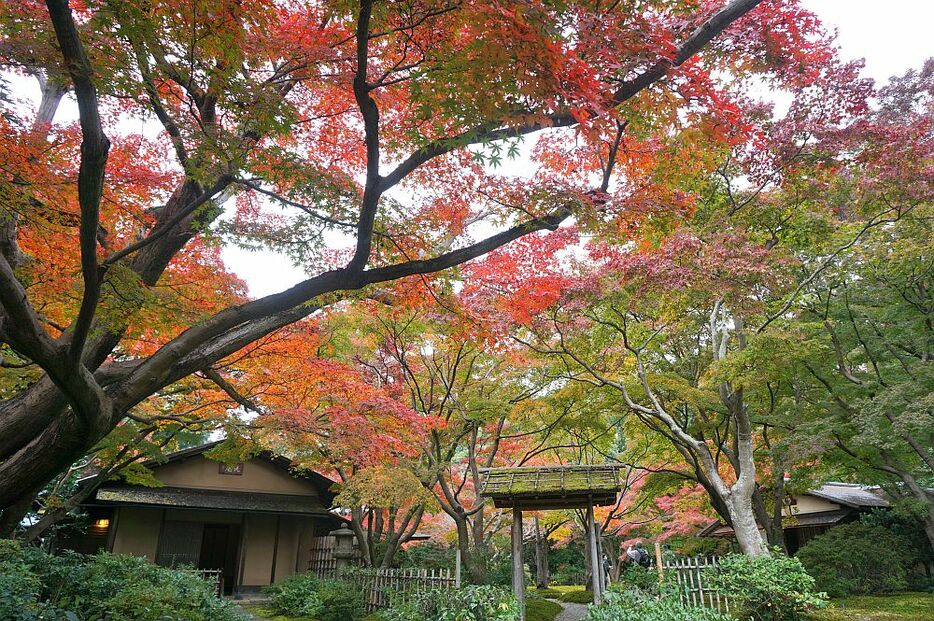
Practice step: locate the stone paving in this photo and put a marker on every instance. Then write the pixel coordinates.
(572, 612)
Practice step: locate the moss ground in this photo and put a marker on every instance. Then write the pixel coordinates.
(568, 594)
(900, 607)
(541, 609)
(536, 610)
(262, 613)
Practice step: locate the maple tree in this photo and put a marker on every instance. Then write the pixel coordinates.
(329, 414)
(705, 335)
(316, 117)
(448, 374)
(863, 385)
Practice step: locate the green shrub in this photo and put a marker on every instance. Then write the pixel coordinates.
(303, 595)
(619, 605)
(19, 592)
(127, 588)
(637, 578)
(427, 555)
(766, 588)
(859, 559)
(296, 596)
(72, 587)
(472, 603)
(342, 601)
(567, 563)
(498, 569)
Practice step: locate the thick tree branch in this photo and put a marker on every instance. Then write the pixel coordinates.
(94, 149)
(368, 109)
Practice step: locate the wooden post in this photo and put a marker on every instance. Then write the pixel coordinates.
(595, 568)
(598, 535)
(658, 562)
(457, 568)
(518, 568)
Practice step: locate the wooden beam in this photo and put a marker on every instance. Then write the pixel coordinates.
(518, 568)
(546, 503)
(275, 550)
(595, 563)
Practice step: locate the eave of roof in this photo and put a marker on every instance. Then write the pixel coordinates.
(821, 518)
(217, 500)
(804, 520)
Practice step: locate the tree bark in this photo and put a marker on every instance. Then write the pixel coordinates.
(542, 570)
(745, 526)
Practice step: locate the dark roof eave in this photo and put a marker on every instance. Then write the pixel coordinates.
(188, 498)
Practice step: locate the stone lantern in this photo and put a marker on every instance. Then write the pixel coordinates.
(343, 549)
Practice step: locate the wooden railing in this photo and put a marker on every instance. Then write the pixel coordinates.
(214, 576)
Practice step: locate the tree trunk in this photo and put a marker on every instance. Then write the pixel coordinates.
(542, 571)
(474, 565)
(771, 523)
(745, 527)
(14, 514)
(588, 563)
(363, 539)
(923, 496)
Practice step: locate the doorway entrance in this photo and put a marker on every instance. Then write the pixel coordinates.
(219, 547)
(202, 545)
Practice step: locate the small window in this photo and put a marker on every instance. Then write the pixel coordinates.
(235, 469)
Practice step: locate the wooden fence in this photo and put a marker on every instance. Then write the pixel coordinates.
(321, 561)
(688, 574)
(380, 586)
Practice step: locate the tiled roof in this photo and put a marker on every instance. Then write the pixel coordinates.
(851, 495)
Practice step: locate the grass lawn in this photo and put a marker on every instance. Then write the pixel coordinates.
(901, 607)
(568, 594)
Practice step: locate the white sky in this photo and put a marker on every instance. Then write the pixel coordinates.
(892, 36)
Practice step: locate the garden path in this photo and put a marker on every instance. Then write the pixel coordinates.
(572, 612)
